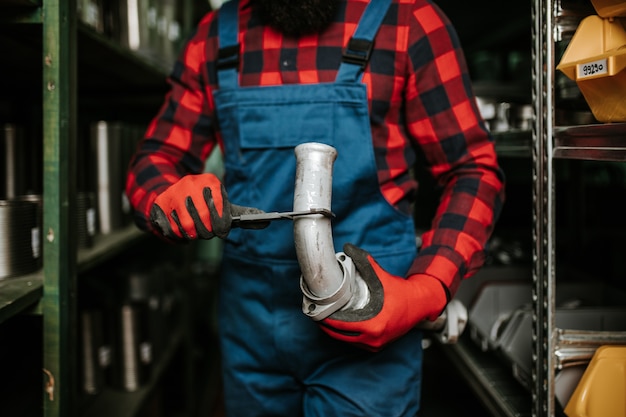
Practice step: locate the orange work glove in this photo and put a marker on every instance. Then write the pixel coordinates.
(196, 206)
(395, 306)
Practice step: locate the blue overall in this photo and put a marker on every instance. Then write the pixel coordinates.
(276, 361)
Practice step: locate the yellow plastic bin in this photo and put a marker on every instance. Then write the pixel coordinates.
(609, 8)
(601, 391)
(596, 59)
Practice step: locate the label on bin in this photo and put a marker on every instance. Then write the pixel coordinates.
(592, 69)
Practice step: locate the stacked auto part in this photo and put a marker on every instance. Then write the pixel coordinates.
(500, 323)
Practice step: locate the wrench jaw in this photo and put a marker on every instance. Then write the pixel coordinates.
(293, 214)
(247, 219)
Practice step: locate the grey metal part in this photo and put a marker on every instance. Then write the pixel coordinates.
(328, 279)
(318, 308)
(274, 215)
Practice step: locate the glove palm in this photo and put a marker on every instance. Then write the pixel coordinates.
(196, 206)
(395, 306)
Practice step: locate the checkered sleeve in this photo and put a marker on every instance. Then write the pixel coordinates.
(180, 137)
(443, 119)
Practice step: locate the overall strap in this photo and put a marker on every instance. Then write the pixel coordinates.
(357, 53)
(228, 54)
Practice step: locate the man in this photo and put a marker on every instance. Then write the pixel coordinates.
(378, 80)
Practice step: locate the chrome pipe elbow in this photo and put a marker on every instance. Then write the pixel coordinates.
(330, 281)
(327, 278)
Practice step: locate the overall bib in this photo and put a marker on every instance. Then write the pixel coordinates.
(276, 361)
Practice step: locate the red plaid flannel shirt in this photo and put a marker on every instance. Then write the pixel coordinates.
(419, 94)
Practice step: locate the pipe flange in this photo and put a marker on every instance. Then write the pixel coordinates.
(318, 308)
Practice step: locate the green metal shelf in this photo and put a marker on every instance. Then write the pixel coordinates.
(112, 69)
(18, 294)
(96, 53)
(133, 87)
(107, 246)
(20, 14)
(118, 403)
(14, 3)
(62, 73)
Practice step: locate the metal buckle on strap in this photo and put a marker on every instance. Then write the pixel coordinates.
(228, 57)
(358, 52)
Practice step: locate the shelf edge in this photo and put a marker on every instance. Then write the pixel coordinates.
(132, 401)
(19, 294)
(107, 246)
(483, 387)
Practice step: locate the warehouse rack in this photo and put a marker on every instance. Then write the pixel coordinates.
(65, 70)
(48, 35)
(599, 142)
(587, 142)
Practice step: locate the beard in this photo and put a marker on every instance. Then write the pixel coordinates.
(297, 17)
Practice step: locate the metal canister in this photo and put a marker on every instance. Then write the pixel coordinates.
(20, 252)
(10, 160)
(85, 219)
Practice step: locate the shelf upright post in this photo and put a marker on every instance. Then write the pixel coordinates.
(543, 338)
(59, 186)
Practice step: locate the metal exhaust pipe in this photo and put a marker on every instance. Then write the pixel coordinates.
(329, 280)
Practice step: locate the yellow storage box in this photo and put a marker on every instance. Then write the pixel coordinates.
(596, 59)
(601, 391)
(609, 8)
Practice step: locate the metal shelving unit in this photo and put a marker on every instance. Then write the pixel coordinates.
(548, 142)
(19, 294)
(602, 142)
(23, 293)
(106, 247)
(47, 42)
(127, 404)
(20, 3)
